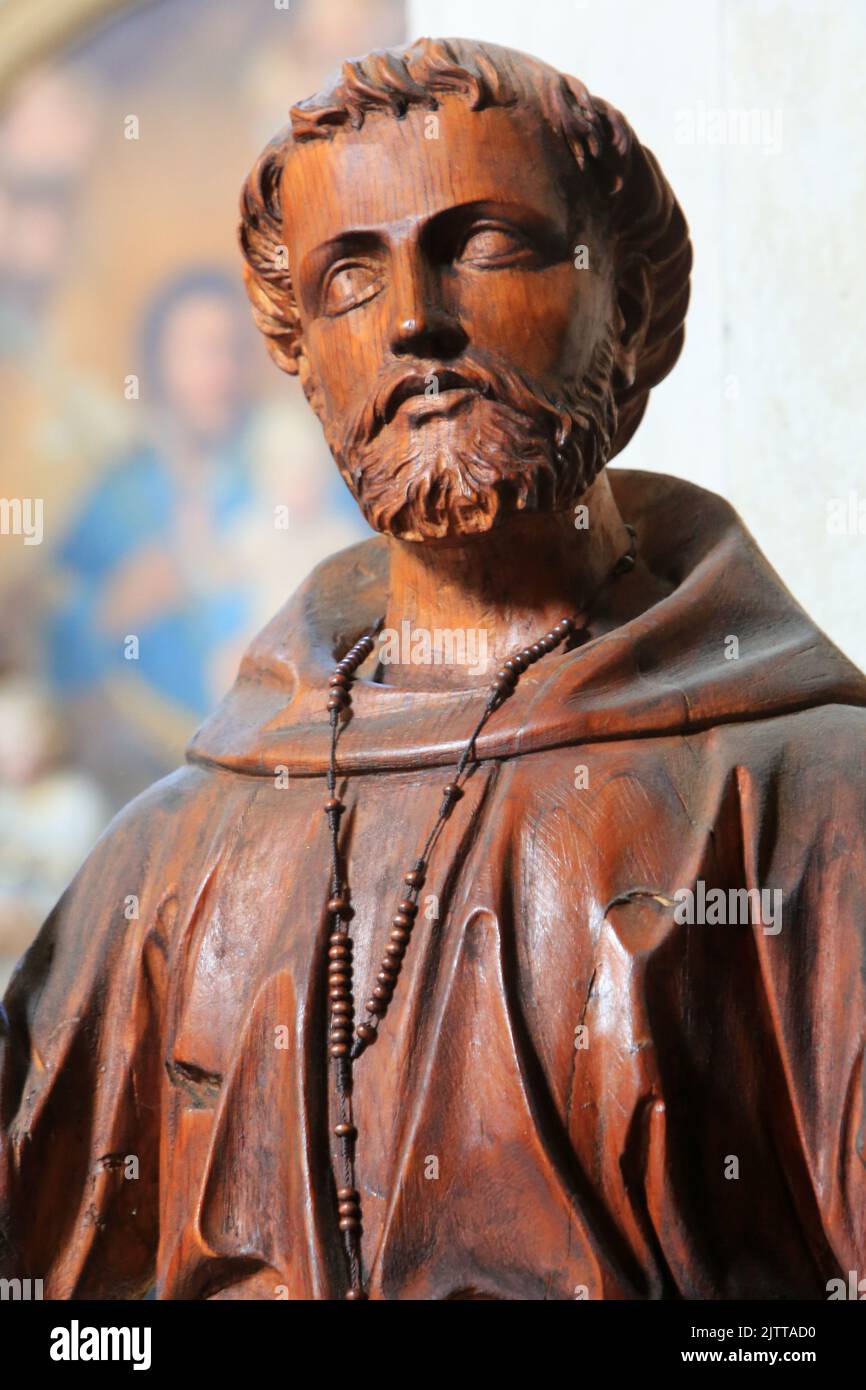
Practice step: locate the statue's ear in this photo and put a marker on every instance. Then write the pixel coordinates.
(633, 310)
(289, 353)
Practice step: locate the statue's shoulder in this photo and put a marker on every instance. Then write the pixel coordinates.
(829, 735)
(170, 799)
(155, 839)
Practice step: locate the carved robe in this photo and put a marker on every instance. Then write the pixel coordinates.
(575, 1094)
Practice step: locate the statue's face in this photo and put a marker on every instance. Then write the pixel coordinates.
(459, 361)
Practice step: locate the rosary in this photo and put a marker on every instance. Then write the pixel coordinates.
(347, 1042)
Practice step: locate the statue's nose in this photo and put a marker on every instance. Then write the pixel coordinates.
(429, 332)
(423, 325)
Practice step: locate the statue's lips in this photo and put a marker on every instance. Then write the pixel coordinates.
(446, 403)
(453, 390)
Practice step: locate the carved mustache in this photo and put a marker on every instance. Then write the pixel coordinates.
(505, 386)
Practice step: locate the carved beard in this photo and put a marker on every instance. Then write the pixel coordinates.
(509, 449)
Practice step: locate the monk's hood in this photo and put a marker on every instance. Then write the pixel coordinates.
(671, 670)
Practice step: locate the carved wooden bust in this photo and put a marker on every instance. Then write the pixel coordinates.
(549, 790)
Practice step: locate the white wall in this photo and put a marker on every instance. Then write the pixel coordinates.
(765, 405)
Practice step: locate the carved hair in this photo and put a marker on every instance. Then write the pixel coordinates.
(645, 219)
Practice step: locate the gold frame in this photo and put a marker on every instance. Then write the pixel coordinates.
(31, 30)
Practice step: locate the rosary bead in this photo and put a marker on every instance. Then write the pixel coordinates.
(340, 994)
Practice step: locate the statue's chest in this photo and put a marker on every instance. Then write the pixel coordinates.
(494, 1108)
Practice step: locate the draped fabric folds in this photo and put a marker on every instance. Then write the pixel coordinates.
(576, 1094)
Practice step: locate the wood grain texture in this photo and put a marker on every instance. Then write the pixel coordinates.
(567, 1067)
(601, 1168)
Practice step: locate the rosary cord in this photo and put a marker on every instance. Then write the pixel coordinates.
(343, 1051)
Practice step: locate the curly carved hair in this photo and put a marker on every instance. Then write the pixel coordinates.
(645, 219)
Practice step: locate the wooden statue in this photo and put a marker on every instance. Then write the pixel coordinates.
(503, 936)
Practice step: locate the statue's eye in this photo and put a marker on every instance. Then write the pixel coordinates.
(348, 285)
(494, 245)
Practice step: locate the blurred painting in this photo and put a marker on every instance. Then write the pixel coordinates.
(164, 489)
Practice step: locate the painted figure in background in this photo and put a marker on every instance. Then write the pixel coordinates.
(614, 1047)
(144, 559)
(165, 549)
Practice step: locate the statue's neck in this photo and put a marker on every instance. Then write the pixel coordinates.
(494, 593)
